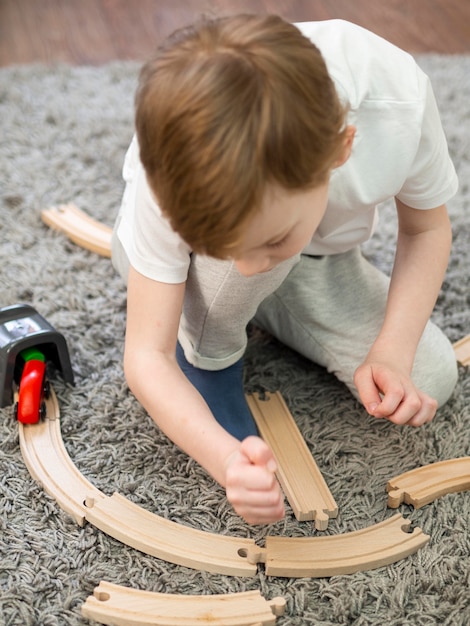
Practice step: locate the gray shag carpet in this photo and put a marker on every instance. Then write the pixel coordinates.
(64, 133)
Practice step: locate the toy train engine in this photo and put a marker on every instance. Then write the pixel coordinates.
(34, 388)
(28, 346)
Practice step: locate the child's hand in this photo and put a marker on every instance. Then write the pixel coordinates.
(251, 485)
(387, 392)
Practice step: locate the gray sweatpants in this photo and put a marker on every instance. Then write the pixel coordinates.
(330, 309)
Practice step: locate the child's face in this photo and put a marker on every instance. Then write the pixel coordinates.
(282, 229)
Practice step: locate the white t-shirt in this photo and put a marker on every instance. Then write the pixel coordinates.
(399, 150)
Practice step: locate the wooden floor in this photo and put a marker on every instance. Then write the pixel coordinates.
(98, 31)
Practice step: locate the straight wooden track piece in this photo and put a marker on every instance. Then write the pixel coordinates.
(357, 551)
(122, 606)
(48, 462)
(424, 484)
(462, 350)
(122, 519)
(298, 473)
(79, 228)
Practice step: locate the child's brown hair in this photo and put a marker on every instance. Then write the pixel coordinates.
(226, 107)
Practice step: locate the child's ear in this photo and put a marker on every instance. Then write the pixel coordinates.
(347, 146)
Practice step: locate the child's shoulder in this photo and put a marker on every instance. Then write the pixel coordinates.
(346, 37)
(364, 64)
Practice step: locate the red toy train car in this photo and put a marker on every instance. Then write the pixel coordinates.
(33, 389)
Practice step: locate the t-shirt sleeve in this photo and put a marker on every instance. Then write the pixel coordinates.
(431, 180)
(154, 249)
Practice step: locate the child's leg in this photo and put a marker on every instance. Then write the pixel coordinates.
(330, 309)
(219, 303)
(223, 391)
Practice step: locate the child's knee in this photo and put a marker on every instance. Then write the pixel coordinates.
(448, 376)
(435, 371)
(448, 391)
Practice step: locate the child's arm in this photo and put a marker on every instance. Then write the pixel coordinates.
(423, 246)
(246, 469)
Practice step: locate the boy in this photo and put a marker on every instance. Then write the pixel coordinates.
(262, 150)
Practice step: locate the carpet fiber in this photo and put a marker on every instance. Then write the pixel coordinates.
(64, 132)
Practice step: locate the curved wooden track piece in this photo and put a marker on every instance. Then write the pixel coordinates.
(79, 228)
(48, 462)
(298, 473)
(424, 484)
(348, 553)
(462, 350)
(121, 606)
(168, 540)
(46, 458)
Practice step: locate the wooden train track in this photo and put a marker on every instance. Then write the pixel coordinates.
(169, 541)
(49, 463)
(122, 606)
(298, 473)
(348, 553)
(424, 484)
(47, 460)
(79, 228)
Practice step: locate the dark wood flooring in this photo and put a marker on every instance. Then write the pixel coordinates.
(98, 31)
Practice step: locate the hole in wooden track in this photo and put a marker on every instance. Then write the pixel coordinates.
(102, 596)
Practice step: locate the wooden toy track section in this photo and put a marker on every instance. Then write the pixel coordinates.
(424, 484)
(79, 228)
(47, 460)
(298, 473)
(49, 463)
(121, 606)
(375, 546)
